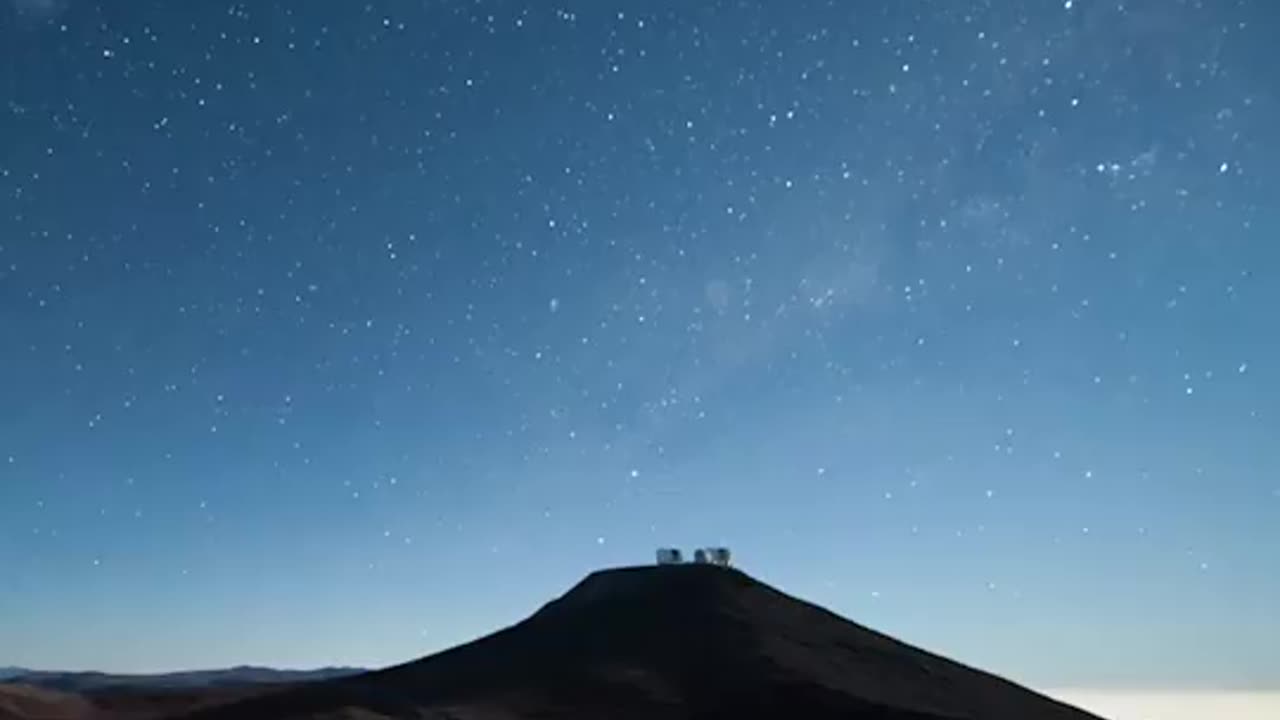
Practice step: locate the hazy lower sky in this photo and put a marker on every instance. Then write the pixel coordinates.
(337, 333)
(1176, 705)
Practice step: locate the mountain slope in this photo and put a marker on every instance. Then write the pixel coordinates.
(669, 642)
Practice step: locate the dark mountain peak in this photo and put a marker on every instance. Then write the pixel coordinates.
(655, 588)
(682, 641)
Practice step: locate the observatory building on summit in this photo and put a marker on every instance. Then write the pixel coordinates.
(670, 556)
(701, 556)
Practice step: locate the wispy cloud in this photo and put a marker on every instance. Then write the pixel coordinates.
(40, 8)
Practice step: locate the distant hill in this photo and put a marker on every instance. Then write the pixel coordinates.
(27, 702)
(81, 682)
(29, 695)
(680, 642)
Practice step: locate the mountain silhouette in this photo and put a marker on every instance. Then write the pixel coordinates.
(679, 642)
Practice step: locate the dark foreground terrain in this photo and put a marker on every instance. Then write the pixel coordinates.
(42, 695)
(84, 682)
(678, 642)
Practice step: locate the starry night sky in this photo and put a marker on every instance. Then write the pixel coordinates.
(337, 333)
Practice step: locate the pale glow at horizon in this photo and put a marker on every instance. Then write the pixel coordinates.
(1173, 704)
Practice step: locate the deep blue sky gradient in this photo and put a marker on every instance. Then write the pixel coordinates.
(336, 333)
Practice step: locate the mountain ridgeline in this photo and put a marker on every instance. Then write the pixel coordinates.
(672, 642)
(78, 682)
